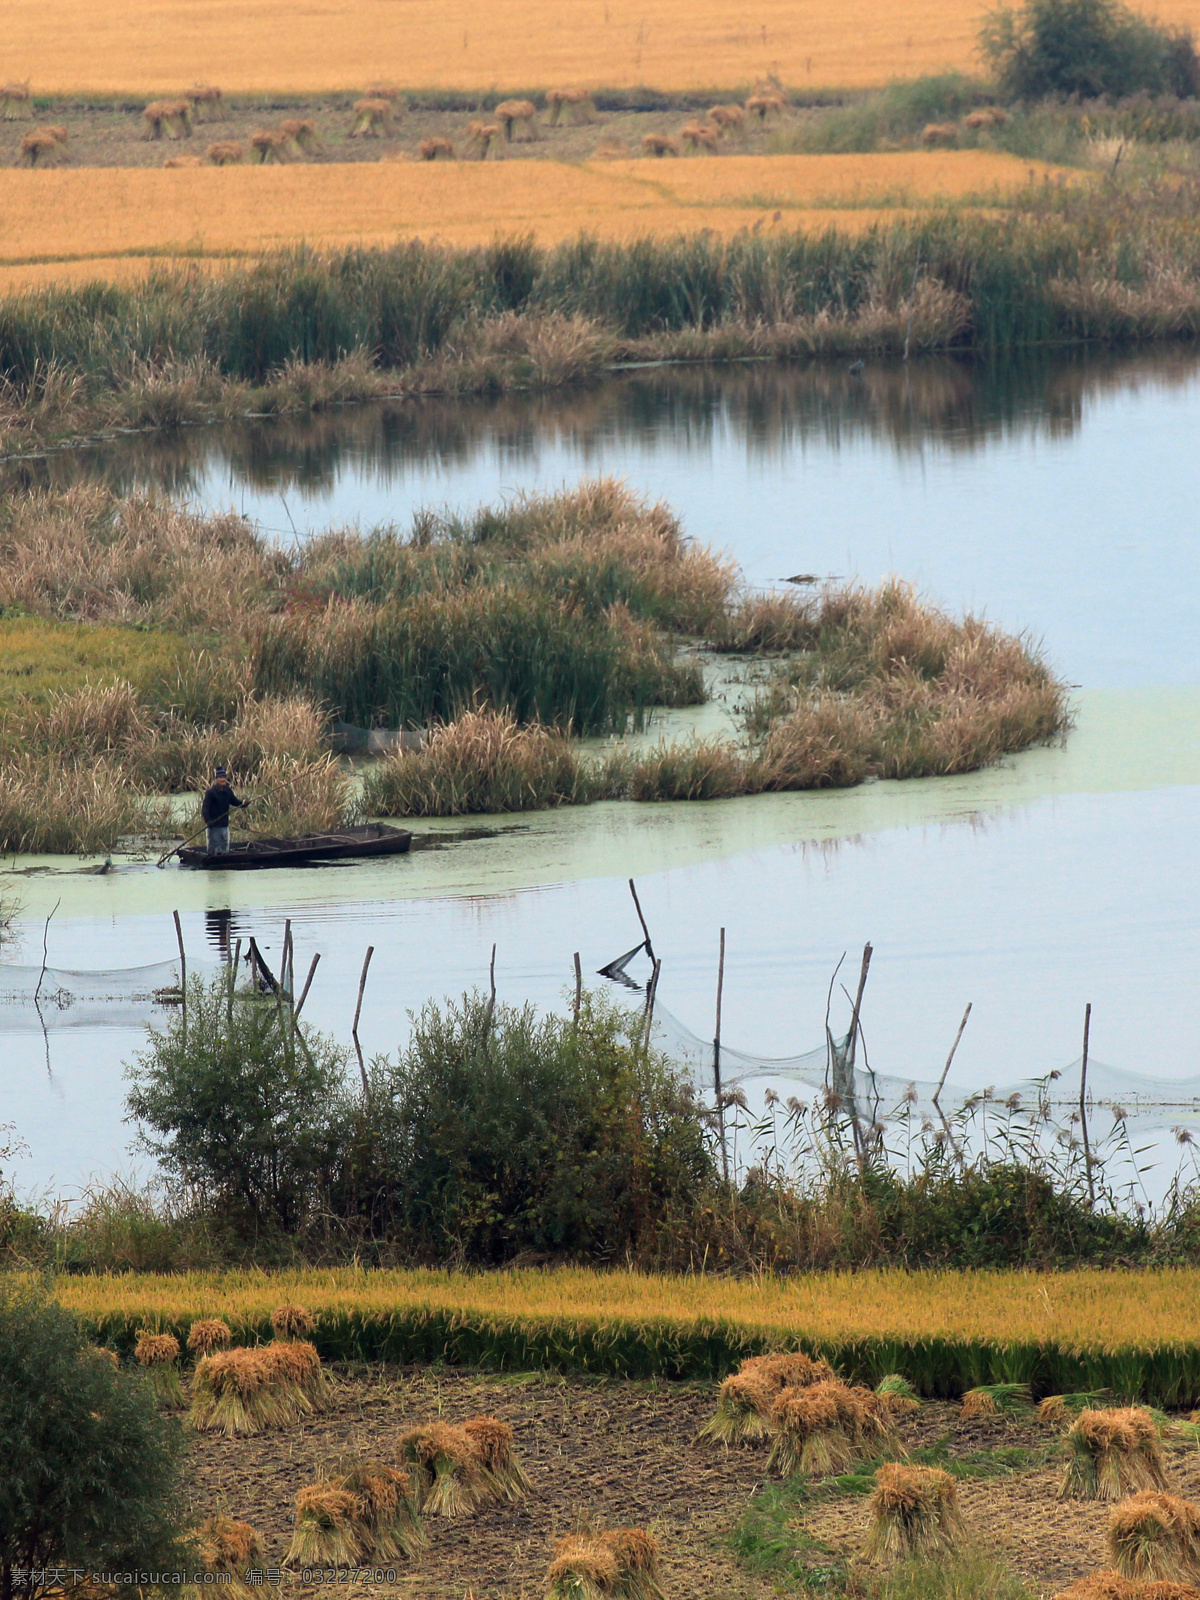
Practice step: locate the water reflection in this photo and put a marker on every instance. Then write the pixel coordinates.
(955, 403)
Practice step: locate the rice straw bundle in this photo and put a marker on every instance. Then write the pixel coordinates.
(1111, 1454)
(1155, 1536)
(447, 1467)
(621, 1564)
(995, 1400)
(494, 1443)
(897, 1394)
(14, 101)
(914, 1512)
(225, 153)
(292, 1322)
(327, 1532)
(362, 1513)
(207, 1335)
(1112, 1586)
(386, 1513)
(1066, 1407)
(158, 1353)
(823, 1428)
(229, 1547)
(746, 1396)
(240, 1391)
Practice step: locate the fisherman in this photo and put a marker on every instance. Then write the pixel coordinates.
(214, 808)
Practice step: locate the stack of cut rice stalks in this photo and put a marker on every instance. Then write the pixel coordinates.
(457, 1468)
(365, 1511)
(622, 1564)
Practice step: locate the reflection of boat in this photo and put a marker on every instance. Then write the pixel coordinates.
(374, 839)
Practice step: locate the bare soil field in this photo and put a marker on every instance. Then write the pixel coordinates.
(619, 1453)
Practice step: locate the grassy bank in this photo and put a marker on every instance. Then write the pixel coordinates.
(305, 329)
(1074, 1331)
(145, 643)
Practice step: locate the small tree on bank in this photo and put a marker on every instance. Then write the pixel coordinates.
(91, 1470)
(1087, 48)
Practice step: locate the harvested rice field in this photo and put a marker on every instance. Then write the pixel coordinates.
(160, 47)
(113, 219)
(619, 1453)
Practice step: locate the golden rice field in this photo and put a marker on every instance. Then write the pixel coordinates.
(162, 46)
(1084, 1310)
(93, 222)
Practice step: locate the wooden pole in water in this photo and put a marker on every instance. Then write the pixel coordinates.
(362, 984)
(578, 988)
(304, 992)
(645, 930)
(182, 971)
(1087, 1152)
(233, 977)
(287, 978)
(950, 1057)
(717, 1061)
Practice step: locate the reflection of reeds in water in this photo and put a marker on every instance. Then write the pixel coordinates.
(961, 404)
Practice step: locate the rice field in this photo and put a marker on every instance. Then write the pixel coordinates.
(105, 222)
(947, 1331)
(246, 45)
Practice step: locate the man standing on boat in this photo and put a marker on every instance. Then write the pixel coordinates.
(214, 808)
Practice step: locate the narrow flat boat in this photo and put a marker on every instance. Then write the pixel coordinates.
(373, 839)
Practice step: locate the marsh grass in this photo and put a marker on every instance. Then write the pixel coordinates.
(51, 808)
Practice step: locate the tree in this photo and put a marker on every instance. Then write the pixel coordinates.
(1087, 48)
(241, 1107)
(91, 1470)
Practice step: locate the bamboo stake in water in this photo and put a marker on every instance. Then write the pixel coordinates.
(304, 992)
(362, 984)
(717, 1061)
(1087, 1153)
(645, 930)
(578, 988)
(233, 977)
(182, 972)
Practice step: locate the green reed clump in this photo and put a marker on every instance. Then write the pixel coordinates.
(409, 663)
(483, 762)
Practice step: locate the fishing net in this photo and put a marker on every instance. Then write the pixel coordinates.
(50, 999)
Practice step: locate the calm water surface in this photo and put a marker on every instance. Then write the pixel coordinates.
(1060, 498)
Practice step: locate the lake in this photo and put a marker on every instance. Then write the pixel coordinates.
(1058, 495)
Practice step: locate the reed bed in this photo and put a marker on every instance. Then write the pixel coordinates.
(48, 808)
(1130, 1329)
(1111, 1454)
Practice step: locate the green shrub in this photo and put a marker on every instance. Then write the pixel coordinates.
(490, 1135)
(91, 1471)
(1087, 48)
(237, 1106)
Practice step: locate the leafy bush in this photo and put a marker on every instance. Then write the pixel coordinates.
(490, 1135)
(898, 112)
(91, 1470)
(239, 1106)
(1087, 48)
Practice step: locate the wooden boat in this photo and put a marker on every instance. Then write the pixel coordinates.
(373, 839)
